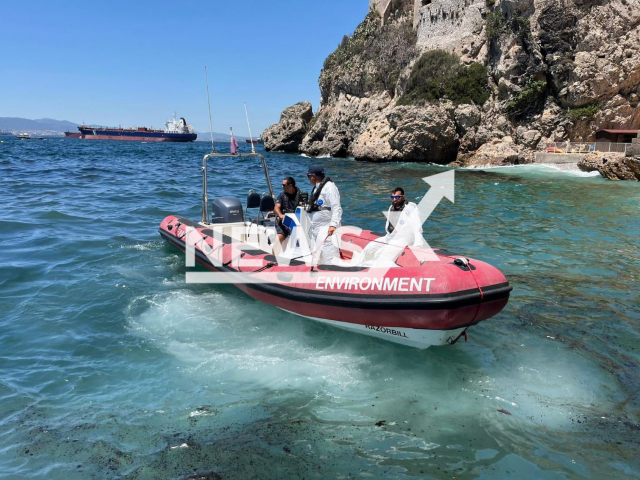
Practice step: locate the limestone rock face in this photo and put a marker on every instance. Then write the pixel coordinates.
(373, 143)
(287, 134)
(612, 166)
(467, 119)
(586, 53)
(589, 50)
(426, 134)
(337, 125)
(528, 138)
(409, 134)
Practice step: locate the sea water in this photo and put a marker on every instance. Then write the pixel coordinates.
(112, 367)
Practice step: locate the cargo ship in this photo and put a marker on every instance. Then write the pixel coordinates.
(176, 130)
(72, 134)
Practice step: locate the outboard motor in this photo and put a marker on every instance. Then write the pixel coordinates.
(227, 210)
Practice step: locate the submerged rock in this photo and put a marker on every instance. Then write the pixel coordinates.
(613, 166)
(287, 134)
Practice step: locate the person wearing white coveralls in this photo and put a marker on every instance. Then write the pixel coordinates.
(325, 215)
(404, 229)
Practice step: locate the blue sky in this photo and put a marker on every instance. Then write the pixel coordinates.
(135, 62)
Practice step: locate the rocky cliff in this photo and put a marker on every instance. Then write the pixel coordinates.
(474, 81)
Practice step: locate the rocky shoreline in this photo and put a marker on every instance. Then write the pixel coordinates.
(612, 166)
(508, 80)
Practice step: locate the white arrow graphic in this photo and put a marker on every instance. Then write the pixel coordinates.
(442, 186)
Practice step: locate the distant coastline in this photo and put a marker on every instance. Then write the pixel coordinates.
(56, 128)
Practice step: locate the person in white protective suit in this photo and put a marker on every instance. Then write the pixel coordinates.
(403, 229)
(325, 215)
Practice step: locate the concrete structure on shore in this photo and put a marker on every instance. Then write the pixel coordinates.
(558, 158)
(633, 150)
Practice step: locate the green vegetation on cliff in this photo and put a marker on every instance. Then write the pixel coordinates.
(583, 113)
(354, 45)
(529, 100)
(440, 75)
(374, 55)
(497, 24)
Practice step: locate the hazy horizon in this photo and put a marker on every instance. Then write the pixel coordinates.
(137, 64)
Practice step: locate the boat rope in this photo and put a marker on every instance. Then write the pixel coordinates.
(234, 258)
(261, 269)
(463, 334)
(465, 262)
(313, 254)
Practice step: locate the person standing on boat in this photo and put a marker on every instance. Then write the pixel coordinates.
(325, 215)
(286, 202)
(403, 227)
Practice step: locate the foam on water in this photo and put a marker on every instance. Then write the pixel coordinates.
(568, 168)
(111, 364)
(224, 338)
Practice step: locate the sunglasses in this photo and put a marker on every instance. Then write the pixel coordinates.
(309, 175)
(285, 185)
(396, 197)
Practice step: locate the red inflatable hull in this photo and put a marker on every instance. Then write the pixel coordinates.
(419, 304)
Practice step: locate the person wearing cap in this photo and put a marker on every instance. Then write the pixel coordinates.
(403, 229)
(286, 202)
(325, 214)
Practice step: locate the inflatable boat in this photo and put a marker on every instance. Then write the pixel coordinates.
(417, 303)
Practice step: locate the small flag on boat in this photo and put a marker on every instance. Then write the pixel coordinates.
(234, 144)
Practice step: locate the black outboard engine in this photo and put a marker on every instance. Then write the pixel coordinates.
(226, 210)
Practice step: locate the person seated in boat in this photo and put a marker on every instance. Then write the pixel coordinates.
(403, 229)
(286, 202)
(325, 215)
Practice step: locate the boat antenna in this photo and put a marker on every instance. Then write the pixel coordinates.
(253, 148)
(206, 74)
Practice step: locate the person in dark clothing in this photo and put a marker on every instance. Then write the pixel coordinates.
(286, 202)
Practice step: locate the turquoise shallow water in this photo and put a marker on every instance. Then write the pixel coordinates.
(112, 367)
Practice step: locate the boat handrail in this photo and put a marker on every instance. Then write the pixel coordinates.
(205, 198)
